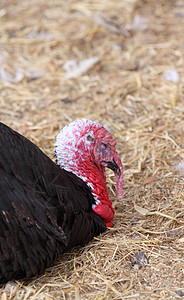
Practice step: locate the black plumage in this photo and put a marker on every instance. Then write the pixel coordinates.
(44, 210)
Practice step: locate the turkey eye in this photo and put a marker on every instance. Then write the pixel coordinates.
(104, 146)
(90, 138)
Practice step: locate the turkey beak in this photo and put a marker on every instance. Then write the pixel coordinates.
(116, 166)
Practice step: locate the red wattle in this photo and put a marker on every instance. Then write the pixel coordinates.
(106, 213)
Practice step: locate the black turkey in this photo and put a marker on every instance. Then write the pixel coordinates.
(46, 209)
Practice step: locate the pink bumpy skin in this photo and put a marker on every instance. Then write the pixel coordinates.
(85, 148)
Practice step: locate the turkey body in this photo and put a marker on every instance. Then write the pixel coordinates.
(44, 210)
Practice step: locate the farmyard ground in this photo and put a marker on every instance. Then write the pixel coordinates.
(134, 86)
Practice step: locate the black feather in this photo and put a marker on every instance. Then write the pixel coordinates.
(44, 210)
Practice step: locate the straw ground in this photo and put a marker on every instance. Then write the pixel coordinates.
(136, 89)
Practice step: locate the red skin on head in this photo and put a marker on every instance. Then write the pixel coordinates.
(104, 151)
(86, 148)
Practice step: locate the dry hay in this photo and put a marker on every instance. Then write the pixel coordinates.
(128, 89)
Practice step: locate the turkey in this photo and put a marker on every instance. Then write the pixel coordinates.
(46, 209)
